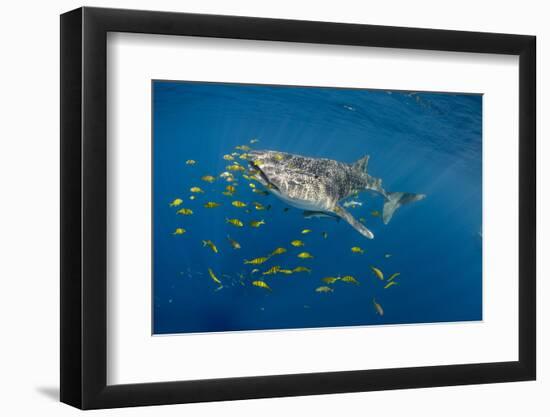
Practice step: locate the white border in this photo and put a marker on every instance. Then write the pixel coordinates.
(135, 356)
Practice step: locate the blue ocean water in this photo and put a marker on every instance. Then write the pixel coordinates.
(418, 142)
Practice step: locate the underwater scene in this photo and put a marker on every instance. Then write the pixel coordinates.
(283, 207)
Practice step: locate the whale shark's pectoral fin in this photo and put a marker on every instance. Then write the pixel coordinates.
(308, 214)
(357, 225)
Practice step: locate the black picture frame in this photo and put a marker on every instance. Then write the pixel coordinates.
(84, 207)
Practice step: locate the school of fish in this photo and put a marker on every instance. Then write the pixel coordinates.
(256, 274)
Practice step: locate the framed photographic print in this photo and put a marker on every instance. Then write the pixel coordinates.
(258, 208)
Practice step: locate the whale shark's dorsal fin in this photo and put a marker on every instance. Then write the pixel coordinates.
(361, 164)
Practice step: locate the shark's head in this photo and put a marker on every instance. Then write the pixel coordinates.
(291, 178)
(268, 167)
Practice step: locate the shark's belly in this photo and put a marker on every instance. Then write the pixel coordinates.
(325, 205)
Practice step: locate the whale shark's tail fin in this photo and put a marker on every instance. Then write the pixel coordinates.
(396, 200)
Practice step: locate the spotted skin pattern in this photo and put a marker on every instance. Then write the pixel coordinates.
(318, 184)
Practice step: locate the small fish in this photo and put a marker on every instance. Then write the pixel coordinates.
(305, 255)
(254, 271)
(230, 188)
(234, 244)
(297, 243)
(324, 289)
(211, 245)
(261, 284)
(192, 197)
(330, 280)
(306, 231)
(387, 255)
(196, 190)
(272, 270)
(253, 141)
(235, 153)
(227, 193)
(235, 222)
(378, 273)
(176, 202)
(185, 211)
(208, 178)
(350, 279)
(325, 235)
(257, 261)
(235, 167)
(179, 231)
(244, 156)
(214, 277)
(301, 269)
(393, 276)
(357, 249)
(375, 213)
(211, 204)
(252, 185)
(247, 177)
(286, 271)
(238, 204)
(256, 223)
(278, 251)
(378, 307)
(227, 176)
(258, 206)
(352, 204)
(389, 284)
(228, 157)
(261, 192)
(244, 148)
(190, 162)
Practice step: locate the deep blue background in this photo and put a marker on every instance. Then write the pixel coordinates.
(418, 142)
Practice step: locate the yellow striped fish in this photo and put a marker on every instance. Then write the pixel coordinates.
(261, 284)
(393, 276)
(256, 261)
(378, 273)
(378, 307)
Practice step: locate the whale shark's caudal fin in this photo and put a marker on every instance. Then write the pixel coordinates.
(396, 200)
(346, 215)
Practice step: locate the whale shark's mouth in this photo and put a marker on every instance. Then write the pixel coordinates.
(262, 177)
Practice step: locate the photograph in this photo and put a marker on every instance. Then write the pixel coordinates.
(279, 207)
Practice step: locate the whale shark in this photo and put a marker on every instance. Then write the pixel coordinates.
(317, 185)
